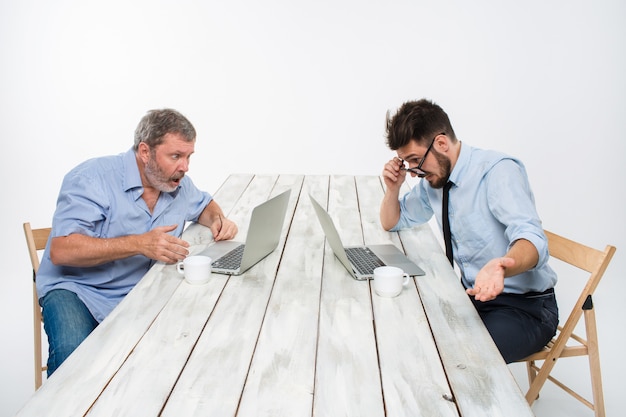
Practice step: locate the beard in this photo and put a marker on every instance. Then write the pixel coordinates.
(159, 179)
(444, 170)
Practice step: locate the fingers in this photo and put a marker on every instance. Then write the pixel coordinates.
(175, 244)
(506, 262)
(486, 290)
(392, 171)
(171, 257)
(224, 230)
(483, 294)
(489, 282)
(173, 251)
(160, 245)
(164, 237)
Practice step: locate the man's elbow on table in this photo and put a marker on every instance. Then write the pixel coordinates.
(388, 219)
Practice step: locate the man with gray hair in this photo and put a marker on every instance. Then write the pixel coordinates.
(115, 217)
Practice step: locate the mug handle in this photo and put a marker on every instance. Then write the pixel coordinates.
(180, 268)
(405, 281)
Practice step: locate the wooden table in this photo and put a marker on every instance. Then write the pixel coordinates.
(295, 335)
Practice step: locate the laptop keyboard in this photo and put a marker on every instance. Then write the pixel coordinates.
(364, 260)
(231, 260)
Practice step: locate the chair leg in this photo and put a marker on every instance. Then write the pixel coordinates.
(532, 374)
(594, 362)
(37, 339)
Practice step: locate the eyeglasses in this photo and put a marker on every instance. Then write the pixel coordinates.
(418, 169)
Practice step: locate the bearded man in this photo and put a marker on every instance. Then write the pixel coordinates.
(115, 217)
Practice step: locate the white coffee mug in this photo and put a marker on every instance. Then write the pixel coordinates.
(389, 281)
(196, 269)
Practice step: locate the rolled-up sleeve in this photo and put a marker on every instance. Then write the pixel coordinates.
(415, 208)
(512, 203)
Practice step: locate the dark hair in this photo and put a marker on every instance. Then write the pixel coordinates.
(158, 123)
(419, 121)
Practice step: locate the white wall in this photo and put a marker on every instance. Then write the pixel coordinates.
(311, 81)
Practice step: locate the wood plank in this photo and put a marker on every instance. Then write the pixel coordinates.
(413, 382)
(480, 380)
(347, 381)
(145, 381)
(281, 377)
(213, 380)
(89, 369)
(231, 190)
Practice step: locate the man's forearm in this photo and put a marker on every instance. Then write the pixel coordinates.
(525, 255)
(85, 251)
(389, 210)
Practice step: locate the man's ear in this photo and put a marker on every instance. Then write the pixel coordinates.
(143, 151)
(442, 143)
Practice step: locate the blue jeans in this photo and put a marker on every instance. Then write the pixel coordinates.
(67, 322)
(520, 324)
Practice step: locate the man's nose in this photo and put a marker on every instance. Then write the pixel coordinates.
(184, 164)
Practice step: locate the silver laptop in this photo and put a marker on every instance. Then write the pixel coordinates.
(360, 261)
(266, 223)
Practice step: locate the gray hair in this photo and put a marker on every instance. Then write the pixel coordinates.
(157, 123)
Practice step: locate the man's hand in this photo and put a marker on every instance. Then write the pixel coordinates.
(159, 245)
(393, 175)
(490, 279)
(223, 229)
(213, 218)
(390, 207)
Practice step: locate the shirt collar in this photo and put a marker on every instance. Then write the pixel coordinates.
(462, 162)
(132, 179)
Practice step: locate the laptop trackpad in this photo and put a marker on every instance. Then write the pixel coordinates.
(219, 249)
(410, 268)
(391, 255)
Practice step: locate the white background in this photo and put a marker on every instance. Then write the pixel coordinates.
(282, 86)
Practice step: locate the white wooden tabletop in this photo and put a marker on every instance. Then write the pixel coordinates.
(293, 336)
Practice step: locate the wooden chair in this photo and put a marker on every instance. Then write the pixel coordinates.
(36, 240)
(595, 262)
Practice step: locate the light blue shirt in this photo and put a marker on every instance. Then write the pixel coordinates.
(491, 206)
(102, 198)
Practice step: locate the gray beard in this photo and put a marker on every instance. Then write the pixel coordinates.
(156, 178)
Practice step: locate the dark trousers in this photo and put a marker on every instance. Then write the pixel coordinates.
(520, 324)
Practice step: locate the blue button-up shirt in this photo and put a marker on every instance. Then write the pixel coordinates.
(491, 206)
(102, 198)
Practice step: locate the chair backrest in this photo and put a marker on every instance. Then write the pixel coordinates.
(594, 262)
(36, 240)
(583, 257)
